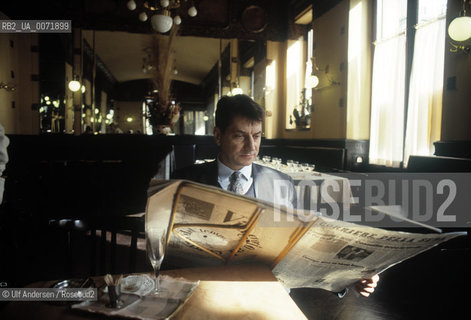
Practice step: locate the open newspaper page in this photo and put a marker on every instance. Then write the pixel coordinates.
(335, 254)
(210, 226)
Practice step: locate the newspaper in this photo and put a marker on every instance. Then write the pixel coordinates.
(210, 226)
(137, 303)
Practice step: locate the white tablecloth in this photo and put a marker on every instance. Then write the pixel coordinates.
(315, 188)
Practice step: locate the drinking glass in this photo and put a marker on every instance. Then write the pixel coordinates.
(290, 163)
(305, 167)
(156, 244)
(276, 162)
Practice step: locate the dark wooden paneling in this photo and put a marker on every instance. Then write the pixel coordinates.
(438, 164)
(460, 149)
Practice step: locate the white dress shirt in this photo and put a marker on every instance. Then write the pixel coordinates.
(224, 173)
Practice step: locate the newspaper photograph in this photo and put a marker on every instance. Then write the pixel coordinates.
(335, 254)
(210, 226)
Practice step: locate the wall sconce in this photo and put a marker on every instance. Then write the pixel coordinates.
(7, 87)
(459, 30)
(313, 81)
(74, 85)
(314, 78)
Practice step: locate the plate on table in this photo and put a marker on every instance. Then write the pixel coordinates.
(140, 284)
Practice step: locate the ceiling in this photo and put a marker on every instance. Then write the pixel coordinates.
(121, 39)
(123, 54)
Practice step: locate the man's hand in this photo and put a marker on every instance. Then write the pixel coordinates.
(365, 287)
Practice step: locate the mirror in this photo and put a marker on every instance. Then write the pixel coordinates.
(113, 57)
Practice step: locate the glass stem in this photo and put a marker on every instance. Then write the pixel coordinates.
(157, 280)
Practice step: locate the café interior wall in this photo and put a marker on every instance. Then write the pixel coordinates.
(328, 115)
(456, 111)
(19, 67)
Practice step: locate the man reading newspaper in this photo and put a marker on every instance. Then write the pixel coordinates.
(238, 133)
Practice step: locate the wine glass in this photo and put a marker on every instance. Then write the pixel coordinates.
(305, 167)
(156, 245)
(290, 163)
(266, 159)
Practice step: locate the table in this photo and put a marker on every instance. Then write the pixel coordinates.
(314, 188)
(229, 292)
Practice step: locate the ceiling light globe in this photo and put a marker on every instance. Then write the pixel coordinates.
(161, 23)
(143, 16)
(460, 28)
(74, 86)
(177, 20)
(164, 3)
(131, 5)
(192, 11)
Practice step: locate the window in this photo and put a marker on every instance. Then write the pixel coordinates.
(388, 84)
(294, 80)
(189, 124)
(424, 112)
(299, 91)
(406, 101)
(195, 122)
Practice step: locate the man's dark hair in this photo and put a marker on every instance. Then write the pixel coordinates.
(239, 105)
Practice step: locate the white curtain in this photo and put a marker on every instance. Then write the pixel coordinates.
(387, 102)
(426, 89)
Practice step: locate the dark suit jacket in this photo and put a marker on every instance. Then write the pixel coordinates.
(269, 184)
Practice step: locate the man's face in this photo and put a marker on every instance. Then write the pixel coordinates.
(239, 143)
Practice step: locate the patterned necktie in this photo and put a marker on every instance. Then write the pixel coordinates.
(235, 185)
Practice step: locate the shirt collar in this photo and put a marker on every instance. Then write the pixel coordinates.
(225, 172)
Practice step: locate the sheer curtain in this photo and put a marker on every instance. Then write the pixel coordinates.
(387, 102)
(426, 90)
